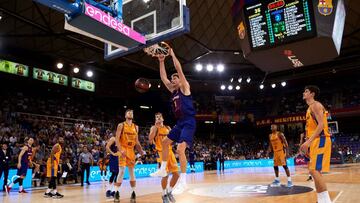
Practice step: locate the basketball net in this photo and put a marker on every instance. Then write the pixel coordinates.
(157, 50)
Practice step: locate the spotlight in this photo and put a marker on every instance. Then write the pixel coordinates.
(240, 80)
(232, 79)
(283, 84)
(59, 65)
(209, 67)
(198, 67)
(248, 80)
(76, 70)
(273, 85)
(159, 85)
(237, 87)
(145, 1)
(261, 86)
(230, 87)
(222, 87)
(220, 68)
(89, 73)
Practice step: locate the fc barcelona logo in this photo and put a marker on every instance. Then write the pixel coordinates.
(325, 7)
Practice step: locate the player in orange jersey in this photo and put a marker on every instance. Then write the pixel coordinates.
(318, 140)
(157, 133)
(279, 146)
(126, 140)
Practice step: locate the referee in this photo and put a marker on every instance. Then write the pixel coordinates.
(85, 161)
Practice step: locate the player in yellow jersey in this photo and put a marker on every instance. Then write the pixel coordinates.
(126, 140)
(318, 140)
(157, 133)
(52, 165)
(279, 146)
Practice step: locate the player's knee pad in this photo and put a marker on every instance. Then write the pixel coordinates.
(285, 167)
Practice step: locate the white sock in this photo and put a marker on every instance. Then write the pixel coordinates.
(164, 192)
(48, 190)
(169, 189)
(54, 191)
(289, 178)
(116, 188)
(163, 165)
(111, 187)
(11, 185)
(133, 189)
(323, 197)
(20, 188)
(277, 178)
(183, 177)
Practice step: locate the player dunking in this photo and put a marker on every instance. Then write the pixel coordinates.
(24, 162)
(279, 146)
(318, 140)
(52, 165)
(113, 164)
(157, 133)
(184, 130)
(126, 140)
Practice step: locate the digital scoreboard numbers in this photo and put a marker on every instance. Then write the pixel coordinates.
(271, 23)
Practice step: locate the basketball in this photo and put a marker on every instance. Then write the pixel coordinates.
(142, 85)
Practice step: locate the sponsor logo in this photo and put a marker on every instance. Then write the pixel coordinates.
(293, 58)
(111, 22)
(257, 189)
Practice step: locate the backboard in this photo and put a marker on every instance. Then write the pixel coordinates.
(157, 20)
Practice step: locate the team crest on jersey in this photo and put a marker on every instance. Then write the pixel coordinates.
(325, 7)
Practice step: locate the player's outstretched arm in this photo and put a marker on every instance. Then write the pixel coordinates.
(163, 74)
(185, 86)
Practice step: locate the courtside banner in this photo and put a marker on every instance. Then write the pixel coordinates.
(12, 177)
(253, 163)
(141, 170)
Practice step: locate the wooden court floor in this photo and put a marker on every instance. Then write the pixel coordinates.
(235, 185)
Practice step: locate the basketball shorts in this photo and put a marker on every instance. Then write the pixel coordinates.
(279, 158)
(171, 165)
(51, 172)
(320, 154)
(183, 131)
(129, 159)
(22, 170)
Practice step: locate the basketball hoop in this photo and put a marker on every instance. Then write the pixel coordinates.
(157, 50)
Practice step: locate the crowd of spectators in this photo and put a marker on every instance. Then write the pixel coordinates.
(50, 122)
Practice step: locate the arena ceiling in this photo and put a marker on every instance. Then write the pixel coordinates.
(35, 34)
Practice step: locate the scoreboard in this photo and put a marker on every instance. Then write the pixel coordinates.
(272, 23)
(277, 35)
